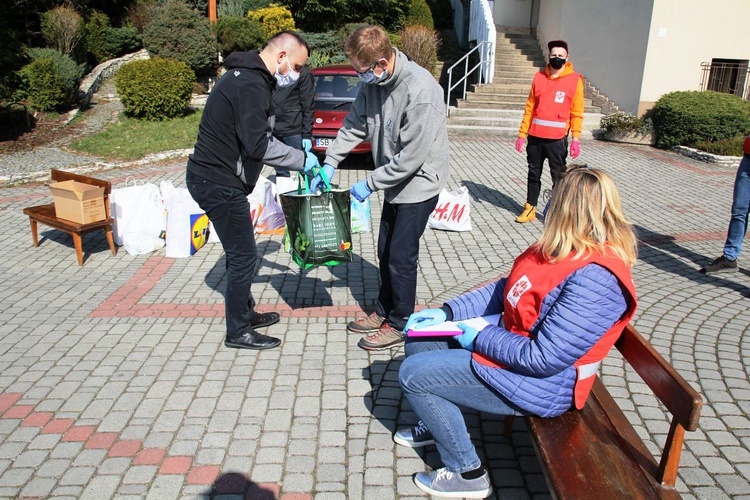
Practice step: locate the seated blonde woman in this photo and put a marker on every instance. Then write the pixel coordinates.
(564, 304)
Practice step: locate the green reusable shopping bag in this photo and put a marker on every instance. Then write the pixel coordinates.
(318, 226)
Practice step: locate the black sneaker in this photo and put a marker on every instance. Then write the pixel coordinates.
(261, 320)
(722, 265)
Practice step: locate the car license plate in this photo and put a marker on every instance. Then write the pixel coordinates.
(323, 142)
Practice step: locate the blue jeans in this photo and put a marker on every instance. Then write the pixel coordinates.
(229, 212)
(740, 209)
(401, 226)
(437, 378)
(294, 141)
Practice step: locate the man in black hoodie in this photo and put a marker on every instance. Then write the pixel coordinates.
(234, 142)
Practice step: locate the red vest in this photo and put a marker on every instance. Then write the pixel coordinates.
(531, 280)
(554, 98)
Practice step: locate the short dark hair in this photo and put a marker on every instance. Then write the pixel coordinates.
(278, 37)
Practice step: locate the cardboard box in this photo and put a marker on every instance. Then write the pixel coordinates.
(78, 202)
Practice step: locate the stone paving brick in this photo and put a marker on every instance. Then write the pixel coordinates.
(175, 465)
(150, 456)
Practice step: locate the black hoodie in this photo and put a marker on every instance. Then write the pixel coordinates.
(234, 137)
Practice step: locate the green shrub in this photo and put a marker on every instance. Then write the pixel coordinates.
(272, 19)
(12, 58)
(326, 48)
(62, 29)
(622, 121)
(687, 117)
(419, 15)
(238, 33)
(421, 44)
(155, 89)
(122, 41)
(178, 32)
(96, 37)
(227, 8)
(44, 88)
(50, 80)
(723, 147)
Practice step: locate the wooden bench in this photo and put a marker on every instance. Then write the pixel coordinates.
(45, 214)
(596, 453)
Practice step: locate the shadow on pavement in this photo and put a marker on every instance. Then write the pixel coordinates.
(299, 289)
(238, 486)
(491, 195)
(659, 250)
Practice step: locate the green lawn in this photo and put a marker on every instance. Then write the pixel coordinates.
(130, 139)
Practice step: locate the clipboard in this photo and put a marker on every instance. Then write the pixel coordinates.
(450, 328)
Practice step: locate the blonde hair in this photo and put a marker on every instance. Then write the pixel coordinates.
(585, 214)
(368, 44)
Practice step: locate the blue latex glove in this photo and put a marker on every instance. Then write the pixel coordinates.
(310, 161)
(307, 145)
(361, 190)
(467, 338)
(426, 317)
(317, 181)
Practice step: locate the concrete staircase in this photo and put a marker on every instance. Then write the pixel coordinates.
(497, 108)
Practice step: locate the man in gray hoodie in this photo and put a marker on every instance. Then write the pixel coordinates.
(401, 111)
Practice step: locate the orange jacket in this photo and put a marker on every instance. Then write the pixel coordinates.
(542, 101)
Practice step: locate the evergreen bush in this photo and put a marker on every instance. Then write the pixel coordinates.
(421, 44)
(326, 48)
(178, 32)
(96, 37)
(50, 80)
(155, 89)
(688, 117)
(723, 147)
(120, 41)
(272, 19)
(419, 14)
(238, 33)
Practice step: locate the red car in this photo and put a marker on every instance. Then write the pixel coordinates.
(336, 86)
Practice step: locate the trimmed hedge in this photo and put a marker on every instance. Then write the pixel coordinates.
(238, 33)
(685, 118)
(51, 79)
(178, 32)
(419, 15)
(723, 147)
(155, 89)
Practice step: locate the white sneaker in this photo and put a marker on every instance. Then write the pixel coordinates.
(444, 483)
(414, 437)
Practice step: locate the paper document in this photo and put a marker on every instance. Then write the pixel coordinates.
(450, 328)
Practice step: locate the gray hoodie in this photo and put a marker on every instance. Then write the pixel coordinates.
(404, 119)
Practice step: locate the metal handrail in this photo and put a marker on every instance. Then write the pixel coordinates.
(467, 72)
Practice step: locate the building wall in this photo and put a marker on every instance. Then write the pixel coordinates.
(608, 41)
(685, 33)
(514, 13)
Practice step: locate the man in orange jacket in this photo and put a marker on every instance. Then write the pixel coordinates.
(554, 108)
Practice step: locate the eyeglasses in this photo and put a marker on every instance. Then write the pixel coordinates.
(372, 67)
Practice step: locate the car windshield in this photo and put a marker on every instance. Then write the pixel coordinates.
(335, 92)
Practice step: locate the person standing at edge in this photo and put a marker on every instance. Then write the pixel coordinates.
(234, 141)
(554, 108)
(294, 114)
(401, 111)
(727, 261)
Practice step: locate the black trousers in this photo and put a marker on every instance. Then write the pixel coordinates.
(538, 150)
(401, 226)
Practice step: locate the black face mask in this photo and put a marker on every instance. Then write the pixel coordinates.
(556, 62)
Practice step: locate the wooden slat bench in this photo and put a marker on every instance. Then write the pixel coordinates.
(45, 214)
(596, 453)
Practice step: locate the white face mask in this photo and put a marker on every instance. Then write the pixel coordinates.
(289, 78)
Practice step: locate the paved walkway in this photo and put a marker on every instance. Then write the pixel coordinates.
(114, 382)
